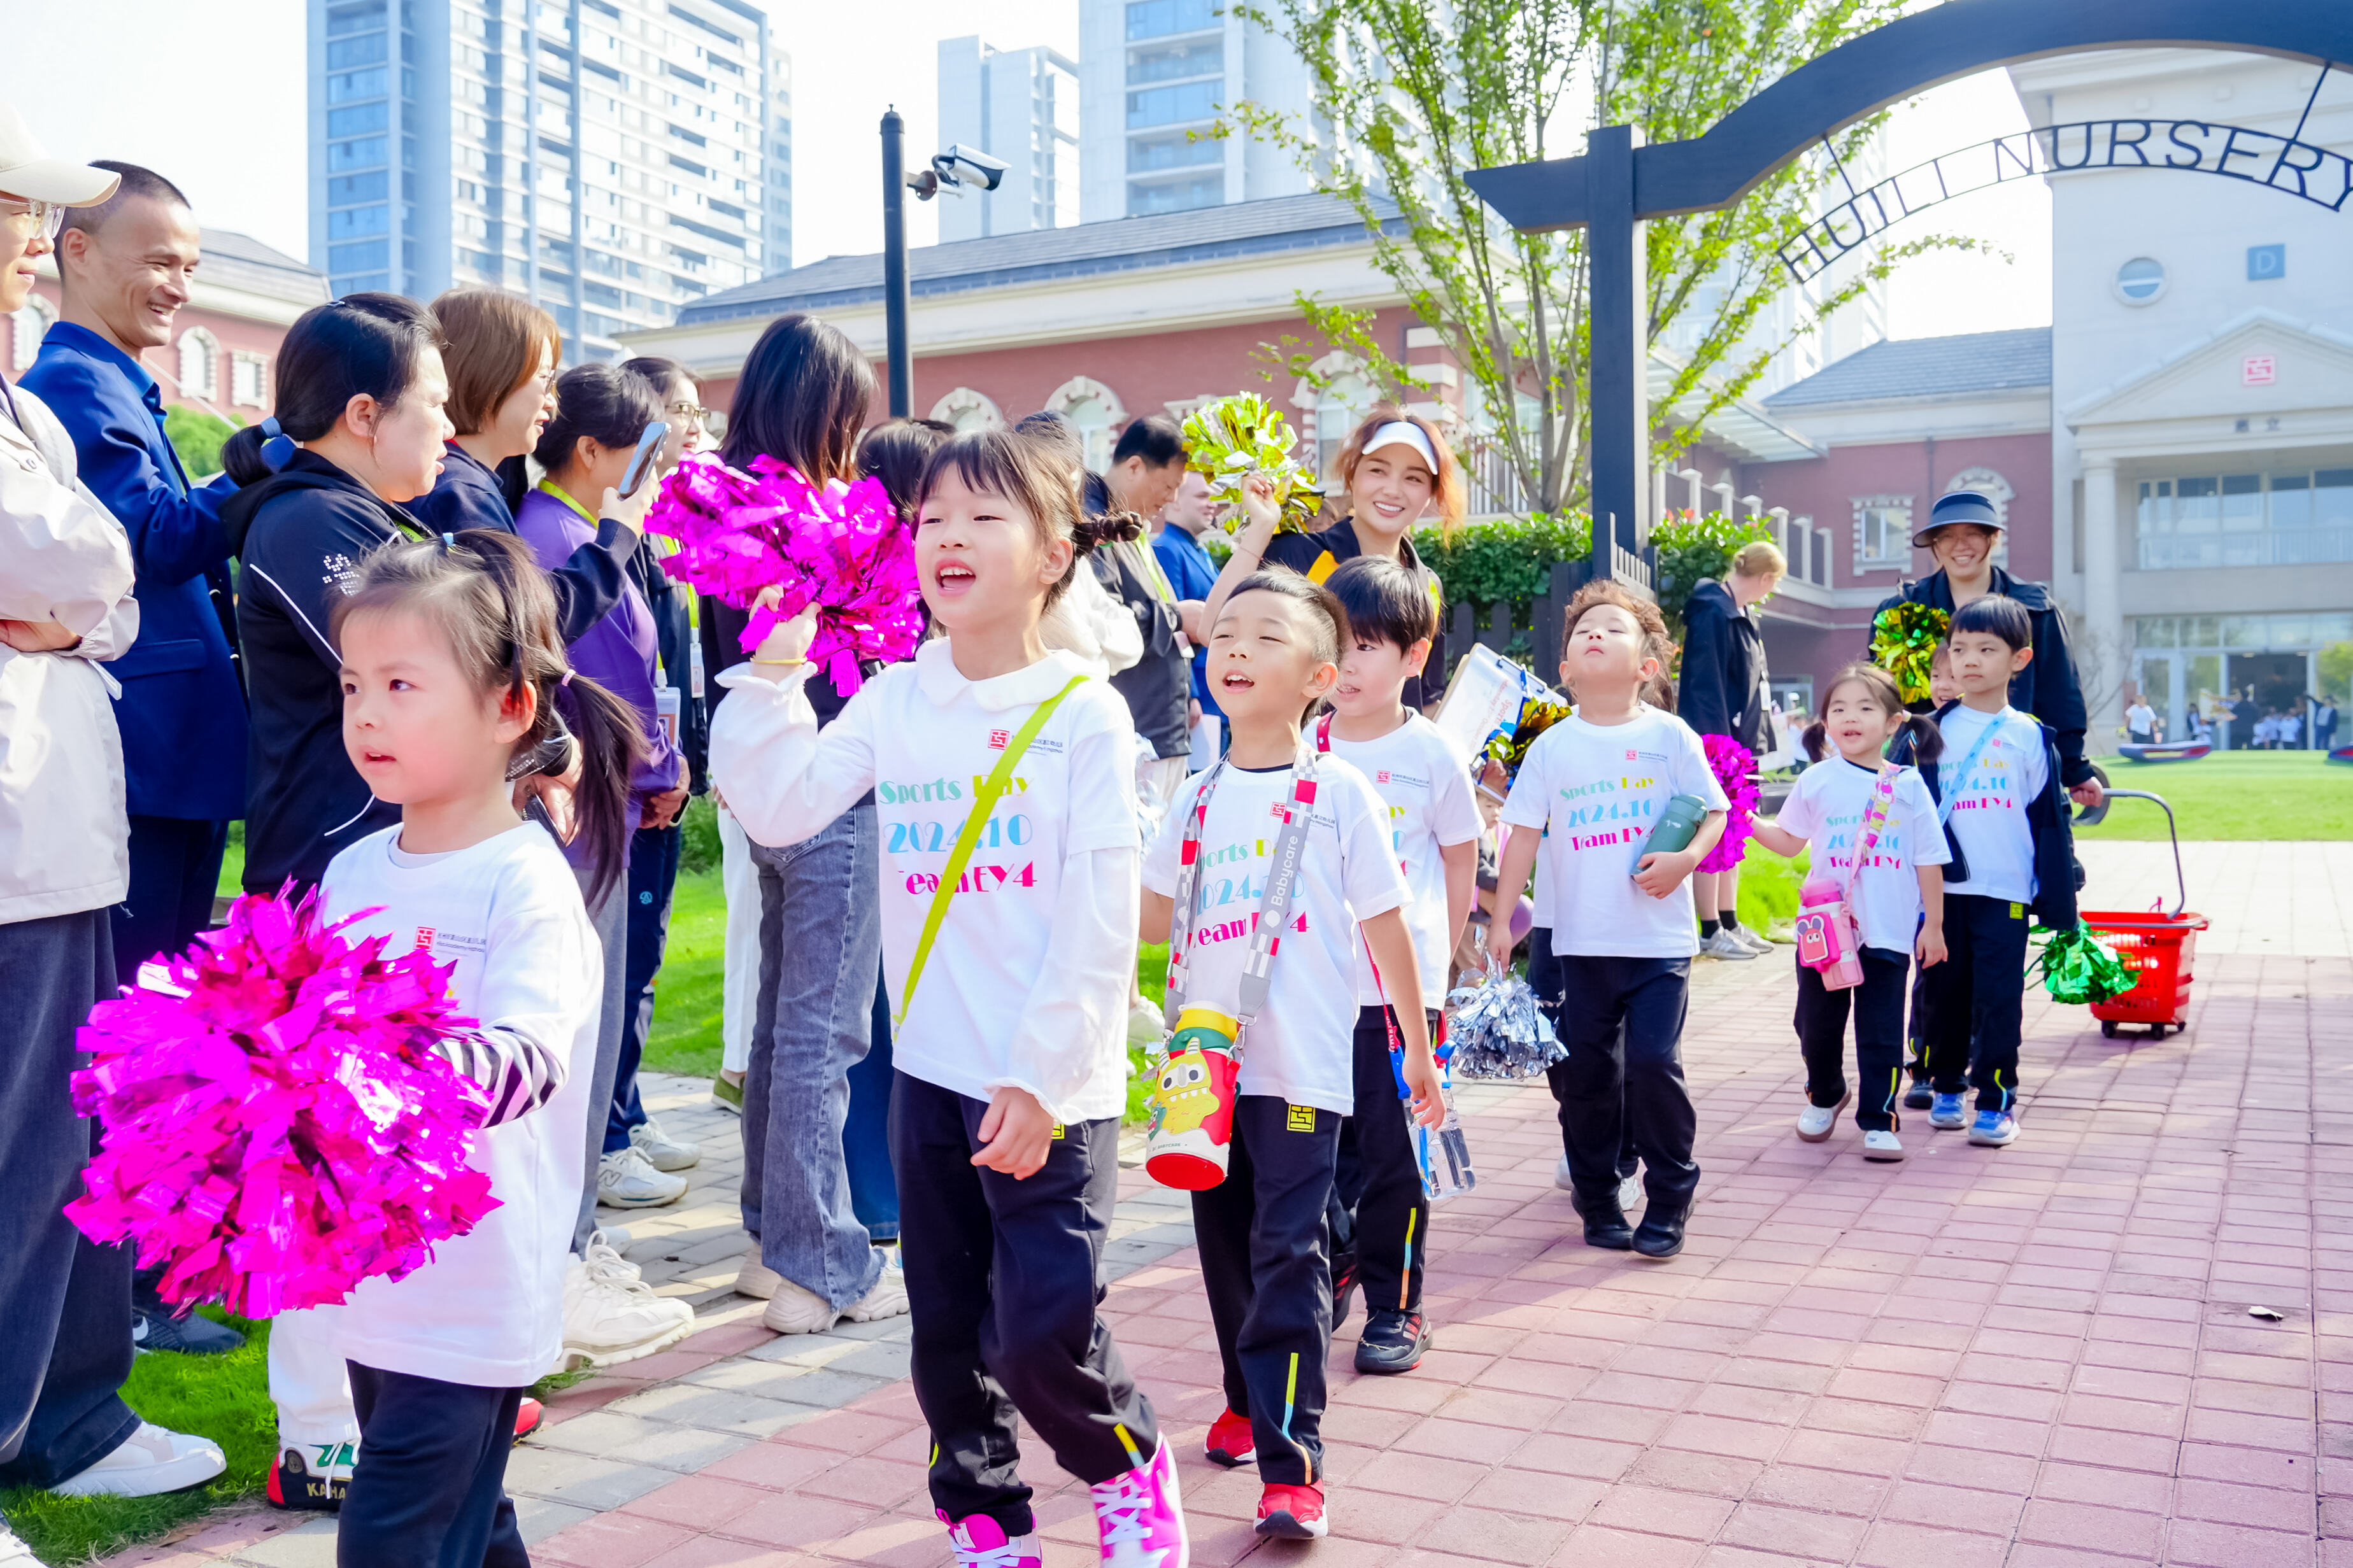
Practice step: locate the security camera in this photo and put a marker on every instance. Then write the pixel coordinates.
(960, 167)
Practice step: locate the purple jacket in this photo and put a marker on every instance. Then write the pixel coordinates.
(616, 652)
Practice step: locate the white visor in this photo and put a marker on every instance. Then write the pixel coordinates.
(1403, 433)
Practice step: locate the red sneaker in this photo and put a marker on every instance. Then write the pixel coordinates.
(528, 1416)
(1291, 1513)
(1230, 1443)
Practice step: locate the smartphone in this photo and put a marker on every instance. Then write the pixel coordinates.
(641, 461)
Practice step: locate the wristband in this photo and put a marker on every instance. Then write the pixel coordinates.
(781, 663)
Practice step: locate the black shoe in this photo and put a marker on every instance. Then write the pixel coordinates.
(1392, 1340)
(192, 1335)
(1660, 1234)
(1919, 1097)
(295, 1485)
(1605, 1226)
(1344, 1284)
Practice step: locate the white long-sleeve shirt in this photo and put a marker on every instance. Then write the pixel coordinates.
(1027, 984)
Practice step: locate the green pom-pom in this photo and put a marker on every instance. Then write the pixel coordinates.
(1904, 639)
(1234, 439)
(2079, 969)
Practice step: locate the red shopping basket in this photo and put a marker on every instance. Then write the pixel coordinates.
(2158, 948)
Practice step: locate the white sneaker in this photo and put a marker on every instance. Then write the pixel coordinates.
(14, 1552)
(1145, 1024)
(797, 1309)
(755, 1278)
(886, 1298)
(1561, 1178)
(1882, 1146)
(1724, 944)
(661, 1151)
(624, 1179)
(149, 1461)
(1814, 1122)
(611, 1315)
(1753, 941)
(1630, 1195)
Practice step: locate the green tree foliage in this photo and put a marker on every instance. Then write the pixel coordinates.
(198, 437)
(1692, 550)
(1410, 93)
(1508, 561)
(2336, 670)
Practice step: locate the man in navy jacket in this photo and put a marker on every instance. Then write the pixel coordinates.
(126, 266)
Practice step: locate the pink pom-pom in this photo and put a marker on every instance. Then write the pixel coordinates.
(277, 1124)
(838, 547)
(1729, 760)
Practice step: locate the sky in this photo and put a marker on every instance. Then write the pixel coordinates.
(220, 110)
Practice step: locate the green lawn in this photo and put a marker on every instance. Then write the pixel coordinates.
(226, 1399)
(2233, 795)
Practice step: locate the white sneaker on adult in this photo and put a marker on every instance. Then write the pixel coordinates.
(661, 1151)
(1561, 1178)
(14, 1552)
(886, 1298)
(755, 1278)
(1882, 1146)
(797, 1309)
(611, 1315)
(626, 1180)
(1724, 944)
(151, 1461)
(1752, 940)
(1630, 1195)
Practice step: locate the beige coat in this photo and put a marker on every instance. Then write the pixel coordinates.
(64, 839)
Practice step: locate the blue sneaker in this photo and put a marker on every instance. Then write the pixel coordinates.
(1947, 1112)
(1994, 1129)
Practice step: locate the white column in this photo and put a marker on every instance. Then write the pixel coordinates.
(2101, 653)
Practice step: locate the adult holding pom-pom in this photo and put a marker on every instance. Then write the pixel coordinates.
(1721, 693)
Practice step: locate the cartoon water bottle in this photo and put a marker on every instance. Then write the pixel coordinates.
(1192, 1102)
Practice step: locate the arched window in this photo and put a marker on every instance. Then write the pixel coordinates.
(1341, 405)
(26, 327)
(969, 411)
(199, 364)
(1098, 412)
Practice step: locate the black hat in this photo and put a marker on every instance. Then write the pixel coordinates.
(1961, 506)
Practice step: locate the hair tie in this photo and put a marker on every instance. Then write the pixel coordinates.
(448, 543)
(566, 680)
(277, 447)
(270, 428)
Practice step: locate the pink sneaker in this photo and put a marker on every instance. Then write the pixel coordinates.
(981, 1542)
(1139, 1515)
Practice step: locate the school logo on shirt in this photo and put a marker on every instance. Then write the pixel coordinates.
(424, 936)
(999, 739)
(1381, 777)
(1630, 756)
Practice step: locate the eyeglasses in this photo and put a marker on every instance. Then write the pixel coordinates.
(691, 413)
(47, 219)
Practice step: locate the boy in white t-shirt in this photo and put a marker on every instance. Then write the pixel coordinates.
(1261, 1230)
(1380, 1220)
(1590, 791)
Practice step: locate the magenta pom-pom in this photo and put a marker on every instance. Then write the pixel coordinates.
(277, 1123)
(1729, 760)
(839, 547)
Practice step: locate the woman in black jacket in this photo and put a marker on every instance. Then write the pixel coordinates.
(1722, 690)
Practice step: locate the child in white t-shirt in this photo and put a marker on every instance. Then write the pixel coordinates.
(1590, 791)
(1003, 781)
(452, 669)
(1380, 1217)
(1261, 1230)
(1874, 829)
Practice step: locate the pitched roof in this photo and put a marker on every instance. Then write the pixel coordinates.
(1927, 367)
(241, 262)
(1167, 240)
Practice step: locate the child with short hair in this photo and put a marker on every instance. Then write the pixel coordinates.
(2012, 864)
(1874, 831)
(453, 676)
(1381, 1219)
(1274, 653)
(1590, 791)
(1004, 779)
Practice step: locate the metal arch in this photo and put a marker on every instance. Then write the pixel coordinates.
(1892, 63)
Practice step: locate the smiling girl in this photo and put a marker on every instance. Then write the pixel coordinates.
(1005, 785)
(1394, 472)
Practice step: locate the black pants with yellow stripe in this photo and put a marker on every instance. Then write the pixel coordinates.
(1262, 1239)
(1379, 1214)
(1003, 1280)
(1878, 1007)
(1975, 1001)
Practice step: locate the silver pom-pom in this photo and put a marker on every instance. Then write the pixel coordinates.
(1496, 1029)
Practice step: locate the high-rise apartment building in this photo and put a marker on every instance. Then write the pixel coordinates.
(608, 158)
(1020, 107)
(1153, 74)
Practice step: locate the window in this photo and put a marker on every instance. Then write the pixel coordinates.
(199, 364)
(1171, 105)
(26, 328)
(1147, 153)
(1170, 62)
(2293, 519)
(1157, 18)
(1180, 196)
(356, 222)
(2140, 280)
(1097, 412)
(1341, 405)
(356, 85)
(248, 381)
(1882, 532)
(358, 121)
(969, 411)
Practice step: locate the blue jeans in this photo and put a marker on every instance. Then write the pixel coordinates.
(866, 1138)
(820, 952)
(653, 880)
(66, 1299)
